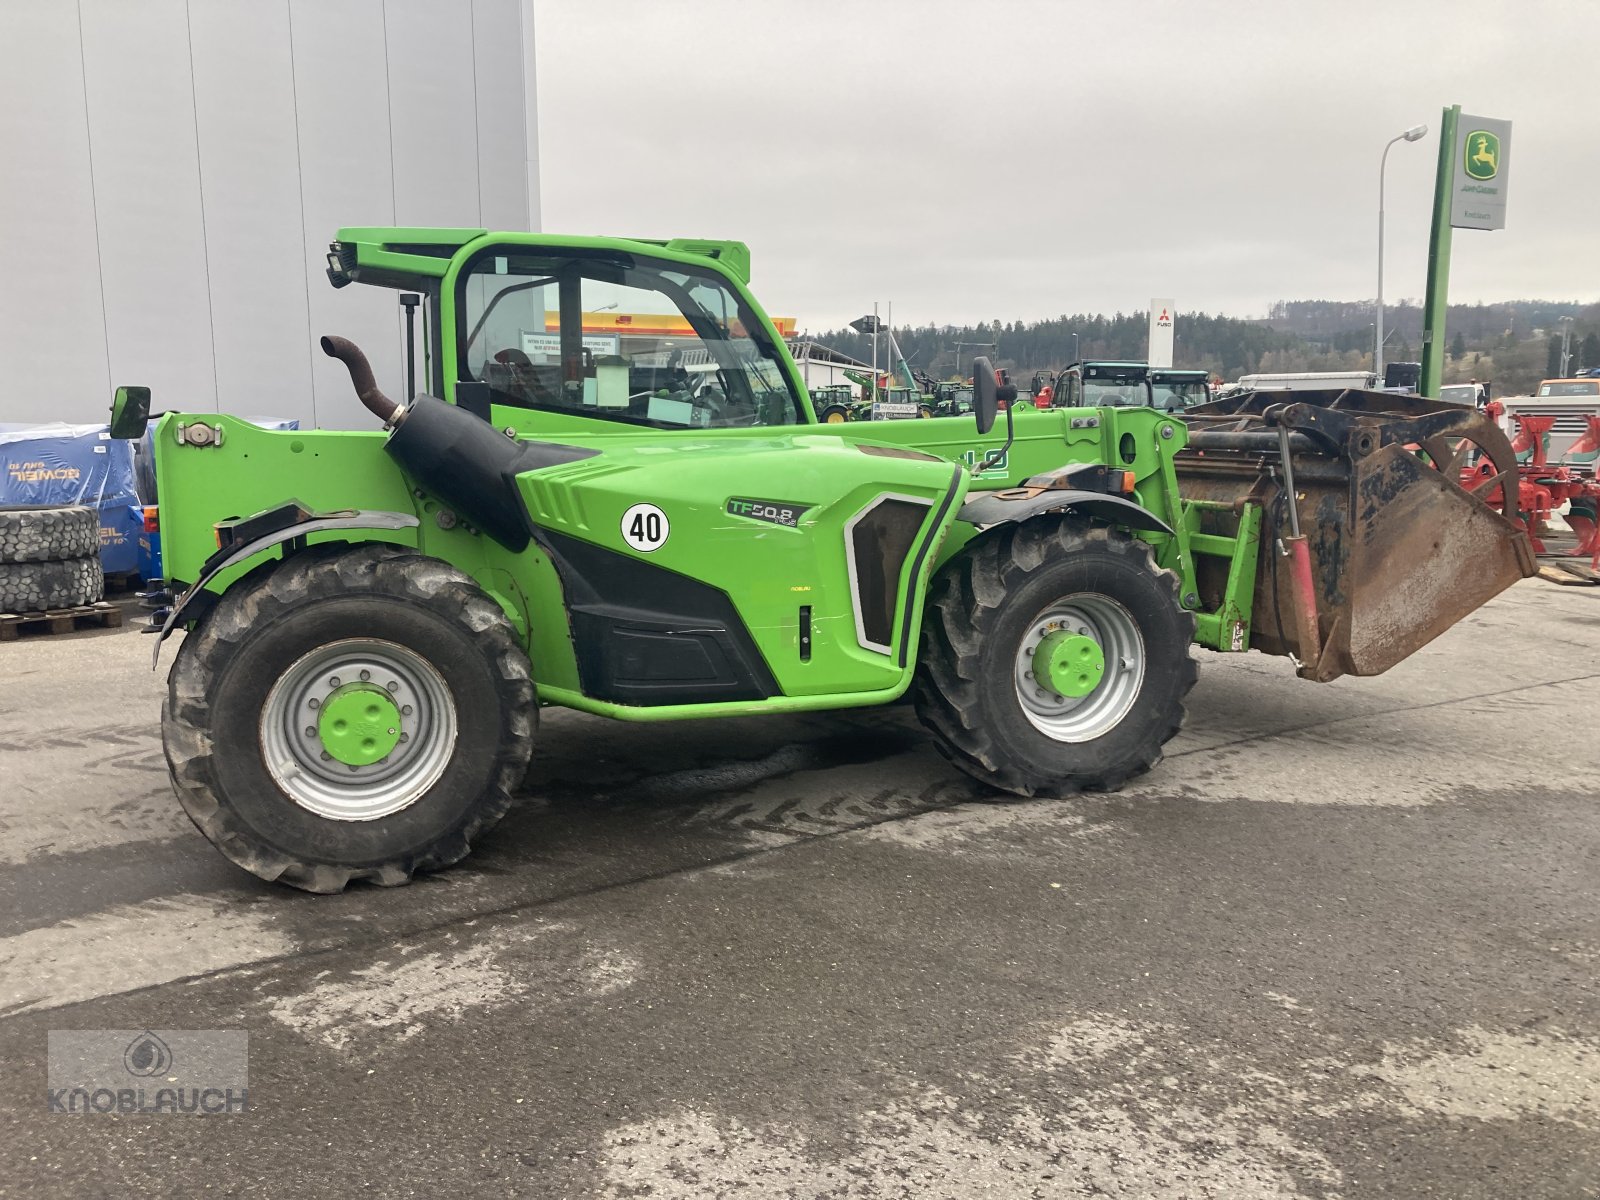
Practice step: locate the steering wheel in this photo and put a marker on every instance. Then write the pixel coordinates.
(523, 375)
(711, 399)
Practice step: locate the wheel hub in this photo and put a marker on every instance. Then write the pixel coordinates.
(1069, 664)
(359, 724)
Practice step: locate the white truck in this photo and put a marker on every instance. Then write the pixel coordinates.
(1306, 381)
(1472, 395)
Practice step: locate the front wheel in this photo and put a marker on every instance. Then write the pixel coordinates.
(1055, 658)
(353, 713)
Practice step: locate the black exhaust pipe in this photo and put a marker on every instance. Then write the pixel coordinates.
(360, 369)
(460, 459)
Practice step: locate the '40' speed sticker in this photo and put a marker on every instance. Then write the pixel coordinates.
(645, 527)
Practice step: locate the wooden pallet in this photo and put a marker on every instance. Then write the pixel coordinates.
(59, 620)
(1568, 574)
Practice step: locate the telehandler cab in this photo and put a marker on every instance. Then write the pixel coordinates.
(644, 520)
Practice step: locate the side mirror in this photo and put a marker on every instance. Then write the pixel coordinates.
(985, 394)
(130, 413)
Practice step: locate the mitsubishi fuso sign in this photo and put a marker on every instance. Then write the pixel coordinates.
(1478, 186)
(1159, 353)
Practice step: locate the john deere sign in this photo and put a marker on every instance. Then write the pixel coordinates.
(1483, 154)
(1478, 191)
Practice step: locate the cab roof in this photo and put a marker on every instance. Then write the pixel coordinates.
(1111, 368)
(398, 256)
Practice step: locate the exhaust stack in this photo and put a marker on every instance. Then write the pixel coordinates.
(361, 377)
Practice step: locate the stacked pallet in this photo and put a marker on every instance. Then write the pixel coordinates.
(60, 620)
(50, 574)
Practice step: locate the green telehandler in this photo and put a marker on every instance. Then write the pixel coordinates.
(661, 529)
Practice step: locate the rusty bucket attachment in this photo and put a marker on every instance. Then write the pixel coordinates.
(1380, 532)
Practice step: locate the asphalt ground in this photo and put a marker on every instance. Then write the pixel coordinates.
(1341, 942)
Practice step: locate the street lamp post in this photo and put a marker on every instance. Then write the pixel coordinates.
(1410, 135)
(1566, 343)
(865, 325)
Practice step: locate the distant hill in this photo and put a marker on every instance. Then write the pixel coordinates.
(1514, 343)
(1478, 323)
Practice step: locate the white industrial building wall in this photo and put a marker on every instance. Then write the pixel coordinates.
(171, 173)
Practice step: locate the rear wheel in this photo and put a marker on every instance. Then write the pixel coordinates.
(1055, 658)
(835, 414)
(355, 713)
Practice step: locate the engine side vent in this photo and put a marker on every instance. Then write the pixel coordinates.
(877, 542)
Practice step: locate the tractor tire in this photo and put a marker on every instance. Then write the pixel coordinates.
(37, 586)
(48, 533)
(834, 414)
(924, 411)
(410, 660)
(1052, 586)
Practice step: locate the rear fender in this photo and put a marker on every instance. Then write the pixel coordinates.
(991, 508)
(194, 602)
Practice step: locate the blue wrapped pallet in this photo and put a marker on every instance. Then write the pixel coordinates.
(76, 464)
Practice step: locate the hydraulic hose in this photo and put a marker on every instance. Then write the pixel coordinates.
(361, 378)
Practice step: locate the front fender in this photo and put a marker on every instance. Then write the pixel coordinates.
(990, 508)
(234, 555)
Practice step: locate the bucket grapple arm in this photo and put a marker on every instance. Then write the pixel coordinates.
(1399, 550)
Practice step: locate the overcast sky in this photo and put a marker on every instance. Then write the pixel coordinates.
(1006, 160)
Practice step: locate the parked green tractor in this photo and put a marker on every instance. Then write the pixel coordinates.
(835, 403)
(1121, 384)
(374, 619)
(951, 399)
(882, 402)
(1104, 384)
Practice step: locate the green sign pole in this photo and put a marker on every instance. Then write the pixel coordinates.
(1437, 303)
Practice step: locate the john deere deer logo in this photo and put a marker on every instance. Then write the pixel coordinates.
(1483, 154)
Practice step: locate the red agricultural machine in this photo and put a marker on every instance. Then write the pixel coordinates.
(1543, 487)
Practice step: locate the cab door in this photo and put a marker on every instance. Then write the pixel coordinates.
(716, 548)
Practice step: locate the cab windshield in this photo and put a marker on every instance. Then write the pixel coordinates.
(1114, 393)
(618, 337)
(1177, 395)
